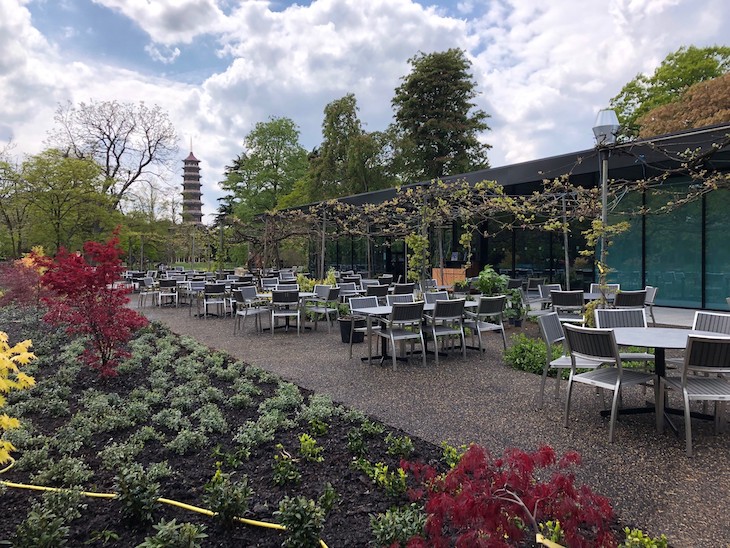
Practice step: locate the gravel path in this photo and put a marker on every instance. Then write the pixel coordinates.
(652, 484)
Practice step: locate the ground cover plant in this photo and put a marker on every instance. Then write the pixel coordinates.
(180, 421)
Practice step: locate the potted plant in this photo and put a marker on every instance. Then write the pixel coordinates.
(490, 282)
(515, 310)
(345, 319)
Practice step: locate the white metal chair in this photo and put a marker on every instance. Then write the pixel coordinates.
(568, 305)
(379, 290)
(324, 303)
(711, 357)
(269, 284)
(404, 324)
(447, 320)
(167, 291)
(147, 288)
(552, 333)
(214, 295)
(285, 304)
(650, 300)
(586, 343)
(248, 304)
(347, 290)
(488, 317)
(545, 290)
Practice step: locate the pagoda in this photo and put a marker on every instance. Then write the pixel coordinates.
(192, 204)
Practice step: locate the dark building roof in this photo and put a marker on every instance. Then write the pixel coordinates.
(632, 160)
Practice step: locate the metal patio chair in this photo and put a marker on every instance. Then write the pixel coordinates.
(404, 324)
(446, 320)
(486, 318)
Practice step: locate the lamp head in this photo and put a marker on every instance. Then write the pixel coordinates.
(606, 127)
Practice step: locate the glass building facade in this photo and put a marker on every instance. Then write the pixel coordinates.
(683, 251)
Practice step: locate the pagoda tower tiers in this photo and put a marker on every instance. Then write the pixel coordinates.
(191, 194)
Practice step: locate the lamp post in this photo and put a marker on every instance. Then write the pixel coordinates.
(605, 129)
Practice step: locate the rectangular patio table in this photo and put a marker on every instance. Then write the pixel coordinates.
(384, 310)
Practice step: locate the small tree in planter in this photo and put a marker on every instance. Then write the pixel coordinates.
(489, 282)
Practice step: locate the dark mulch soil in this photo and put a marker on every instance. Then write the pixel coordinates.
(348, 524)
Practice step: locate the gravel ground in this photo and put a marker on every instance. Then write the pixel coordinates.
(652, 484)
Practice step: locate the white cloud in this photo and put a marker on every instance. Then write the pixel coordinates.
(544, 69)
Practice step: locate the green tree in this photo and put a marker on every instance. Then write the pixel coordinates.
(266, 171)
(436, 118)
(350, 160)
(15, 213)
(676, 73)
(68, 203)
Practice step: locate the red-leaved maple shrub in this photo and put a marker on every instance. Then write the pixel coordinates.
(86, 302)
(20, 281)
(491, 502)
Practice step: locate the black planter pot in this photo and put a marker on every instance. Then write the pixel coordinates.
(345, 327)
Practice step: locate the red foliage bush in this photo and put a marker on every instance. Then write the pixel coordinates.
(494, 502)
(87, 302)
(20, 282)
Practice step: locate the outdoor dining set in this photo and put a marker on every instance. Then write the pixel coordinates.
(617, 351)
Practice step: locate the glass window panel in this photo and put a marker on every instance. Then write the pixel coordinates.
(673, 248)
(624, 253)
(717, 261)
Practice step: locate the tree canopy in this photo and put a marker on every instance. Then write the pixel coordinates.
(673, 77)
(132, 143)
(703, 104)
(436, 117)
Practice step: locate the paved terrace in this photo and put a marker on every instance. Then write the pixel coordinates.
(479, 399)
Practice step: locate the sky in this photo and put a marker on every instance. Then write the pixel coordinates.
(217, 67)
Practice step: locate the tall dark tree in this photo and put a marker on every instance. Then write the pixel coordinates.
(672, 78)
(436, 118)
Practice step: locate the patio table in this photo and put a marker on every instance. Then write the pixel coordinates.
(660, 339)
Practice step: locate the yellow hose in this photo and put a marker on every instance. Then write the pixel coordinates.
(545, 542)
(171, 502)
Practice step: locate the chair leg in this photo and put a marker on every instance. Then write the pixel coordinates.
(614, 412)
(687, 426)
(542, 386)
(567, 400)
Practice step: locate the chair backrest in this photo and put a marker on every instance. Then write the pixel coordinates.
(347, 286)
(534, 283)
(168, 284)
(286, 275)
(287, 287)
(393, 299)
(609, 289)
(567, 299)
(592, 343)
(433, 296)
(707, 354)
(321, 291)
(715, 322)
(233, 277)
(546, 289)
(385, 279)
(402, 289)
(650, 294)
(355, 278)
(449, 309)
(491, 306)
(197, 285)
(248, 292)
(624, 317)
(148, 281)
(514, 283)
(367, 282)
(551, 329)
(377, 290)
(428, 283)
(630, 299)
(363, 302)
(410, 313)
(269, 283)
(285, 297)
(214, 289)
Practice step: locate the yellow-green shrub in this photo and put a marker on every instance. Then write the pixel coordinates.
(11, 378)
